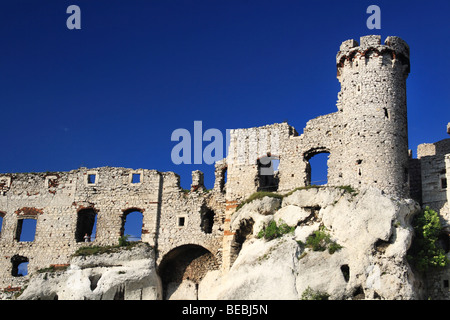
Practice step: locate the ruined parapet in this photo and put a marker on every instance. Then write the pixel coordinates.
(394, 46)
(372, 106)
(248, 151)
(66, 208)
(197, 180)
(435, 174)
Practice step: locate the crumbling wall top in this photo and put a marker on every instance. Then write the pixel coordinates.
(395, 45)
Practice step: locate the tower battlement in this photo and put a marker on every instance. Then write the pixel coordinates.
(397, 48)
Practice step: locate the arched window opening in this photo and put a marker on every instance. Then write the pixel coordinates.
(26, 230)
(86, 225)
(132, 224)
(19, 266)
(317, 167)
(207, 220)
(267, 179)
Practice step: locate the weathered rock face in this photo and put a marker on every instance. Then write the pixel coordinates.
(373, 230)
(122, 275)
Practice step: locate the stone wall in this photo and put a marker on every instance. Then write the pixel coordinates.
(434, 173)
(366, 139)
(59, 200)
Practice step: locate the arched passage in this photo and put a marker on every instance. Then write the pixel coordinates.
(182, 269)
(317, 166)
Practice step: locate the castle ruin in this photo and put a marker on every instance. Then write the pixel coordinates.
(366, 139)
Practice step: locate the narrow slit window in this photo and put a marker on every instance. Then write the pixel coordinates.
(1, 222)
(444, 183)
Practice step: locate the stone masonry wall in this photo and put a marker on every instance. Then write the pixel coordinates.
(55, 199)
(366, 139)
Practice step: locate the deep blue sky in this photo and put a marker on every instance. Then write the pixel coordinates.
(112, 93)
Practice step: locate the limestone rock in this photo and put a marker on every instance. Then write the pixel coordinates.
(122, 275)
(372, 229)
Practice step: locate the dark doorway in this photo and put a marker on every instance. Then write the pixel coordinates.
(86, 225)
(187, 262)
(207, 220)
(267, 179)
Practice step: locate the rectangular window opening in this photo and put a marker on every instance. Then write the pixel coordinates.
(444, 183)
(91, 178)
(26, 230)
(181, 221)
(136, 178)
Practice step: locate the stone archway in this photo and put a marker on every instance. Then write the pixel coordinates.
(182, 269)
(322, 167)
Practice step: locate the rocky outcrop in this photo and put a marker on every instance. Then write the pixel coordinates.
(372, 234)
(124, 274)
(362, 255)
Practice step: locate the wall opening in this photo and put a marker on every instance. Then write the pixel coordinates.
(91, 178)
(26, 230)
(136, 178)
(132, 224)
(317, 166)
(2, 215)
(444, 241)
(19, 266)
(345, 269)
(86, 225)
(207, 220)
(267, 179)
(181, 221)
(223, 179)
(443, 179)
(183, 268)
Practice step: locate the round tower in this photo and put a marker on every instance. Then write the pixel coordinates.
(372, 106)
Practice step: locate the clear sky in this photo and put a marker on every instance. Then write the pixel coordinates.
(112, 93)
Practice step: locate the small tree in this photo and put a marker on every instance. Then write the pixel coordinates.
(123, 240)
(425, 251)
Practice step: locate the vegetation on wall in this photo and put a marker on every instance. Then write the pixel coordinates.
(425, 251)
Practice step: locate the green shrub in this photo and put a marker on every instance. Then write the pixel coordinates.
(425, 251)
(349, 189)
(273, 231)
(320, 240)
(123, 240)
(92, 250)
(310, 294)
